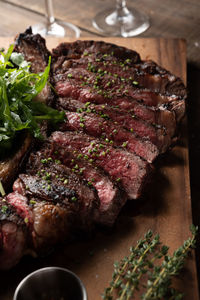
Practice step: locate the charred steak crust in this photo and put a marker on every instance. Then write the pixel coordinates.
(34, 49)
(76, 50)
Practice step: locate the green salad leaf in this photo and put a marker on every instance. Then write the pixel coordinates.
(18, 88)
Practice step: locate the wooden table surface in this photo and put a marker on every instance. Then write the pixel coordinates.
(169, 19)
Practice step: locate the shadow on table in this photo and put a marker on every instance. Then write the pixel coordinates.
(193, 109)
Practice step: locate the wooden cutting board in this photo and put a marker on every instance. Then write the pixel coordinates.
(166, 208)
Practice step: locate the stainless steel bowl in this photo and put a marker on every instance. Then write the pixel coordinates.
(51, 283)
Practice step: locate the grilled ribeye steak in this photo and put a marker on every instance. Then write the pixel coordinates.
(121, 112)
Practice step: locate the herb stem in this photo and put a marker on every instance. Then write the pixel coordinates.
(123, 268)
(140, 274)
(164, 271)
(135, 268)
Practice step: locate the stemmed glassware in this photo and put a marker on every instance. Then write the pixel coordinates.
(55, 28)
(121, 21)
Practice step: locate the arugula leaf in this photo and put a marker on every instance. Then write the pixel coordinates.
(18, 88)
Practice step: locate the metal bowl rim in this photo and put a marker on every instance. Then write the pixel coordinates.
(20, 285)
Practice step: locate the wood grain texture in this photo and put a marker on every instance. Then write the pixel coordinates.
(165, 207)
(15, 19)
(169, 18)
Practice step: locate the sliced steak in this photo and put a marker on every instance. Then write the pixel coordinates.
(95, 72)
(160, 116)
(117, 60)
(13, 236)
(111, 198)
(109, 132)
(54, 203)
(133, 81)
(129, 169)
(54, 182)
(157, 135)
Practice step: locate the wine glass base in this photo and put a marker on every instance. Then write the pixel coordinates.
(130, 23)
(56, 29)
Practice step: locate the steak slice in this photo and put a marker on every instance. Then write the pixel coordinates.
(45, 224)
(130, 80)
(52, 181)
(98, 126)
(111, 197)
(129, 169)
(95, 71)
(55, 202)
(161, 116)
(157, 135)
(13, 236)
(117, 60)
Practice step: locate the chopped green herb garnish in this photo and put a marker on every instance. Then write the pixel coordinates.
(43, 161)
(32, 201)
(74, 199)
(124, 144)
(26, 220)
(4, 209)
(57, 161)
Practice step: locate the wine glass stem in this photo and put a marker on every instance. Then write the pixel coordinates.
(49, 12)
(120, 4)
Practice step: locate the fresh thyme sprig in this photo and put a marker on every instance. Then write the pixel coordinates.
(160, 280)
(127, 273)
